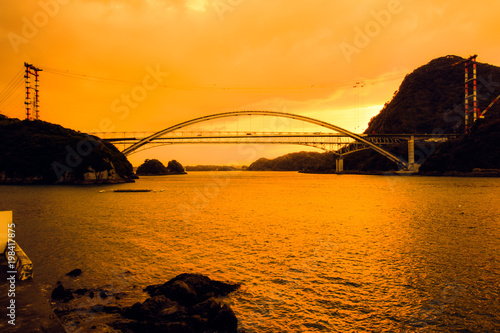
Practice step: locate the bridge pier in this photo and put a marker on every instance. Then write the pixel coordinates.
(339, 165)
(412, 166)
(411, 151)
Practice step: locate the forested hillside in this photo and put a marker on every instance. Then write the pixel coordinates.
(429, 100)
(41, 152)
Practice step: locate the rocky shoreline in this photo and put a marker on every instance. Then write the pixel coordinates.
(187, 303)
(38, 181)
(474, 173)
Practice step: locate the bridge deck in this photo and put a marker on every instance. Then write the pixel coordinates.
(137, 136)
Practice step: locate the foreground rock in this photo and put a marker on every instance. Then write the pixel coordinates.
(190, 289)
(187, 303)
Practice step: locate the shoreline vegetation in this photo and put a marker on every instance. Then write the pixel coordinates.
(474, 173)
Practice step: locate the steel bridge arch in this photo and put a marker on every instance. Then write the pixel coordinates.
(321, 123)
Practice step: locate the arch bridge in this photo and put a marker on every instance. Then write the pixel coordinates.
(336, 139)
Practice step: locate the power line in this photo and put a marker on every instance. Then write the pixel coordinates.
(75, 75)
(12, 80)
(16, 97)
(222, 87)
(13, 83)
(8, 93)
(218, 87)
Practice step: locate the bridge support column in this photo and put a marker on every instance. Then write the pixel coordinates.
(411, 152)
(339, 165)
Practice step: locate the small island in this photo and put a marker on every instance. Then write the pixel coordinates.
(153, 167)
(38, 152)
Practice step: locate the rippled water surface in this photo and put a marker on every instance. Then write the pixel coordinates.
(315, 253)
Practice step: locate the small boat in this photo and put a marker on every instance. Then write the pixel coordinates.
(132, 190)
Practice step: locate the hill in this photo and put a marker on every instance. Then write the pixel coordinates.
(478, 150)
(429, 100)
(289, 162)
(432, 97)
(41, 152)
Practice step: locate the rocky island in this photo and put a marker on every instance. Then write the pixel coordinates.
(38, 152)
(153, 167)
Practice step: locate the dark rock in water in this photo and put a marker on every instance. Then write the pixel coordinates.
(180, 292)
(105, 309)
(74, 273)
(104, 294)
(185, 304)
(60, 293)
(159, 314)
(82, 291)
(152, 307)
(219, 317)
(189, 289)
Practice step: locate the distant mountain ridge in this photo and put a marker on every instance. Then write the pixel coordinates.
(288, 162)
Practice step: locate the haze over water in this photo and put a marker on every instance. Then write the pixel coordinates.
(316, 253)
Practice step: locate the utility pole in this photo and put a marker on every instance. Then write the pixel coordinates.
(470, 113)
(33, 71)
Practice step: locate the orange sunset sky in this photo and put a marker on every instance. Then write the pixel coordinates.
(199, 57)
